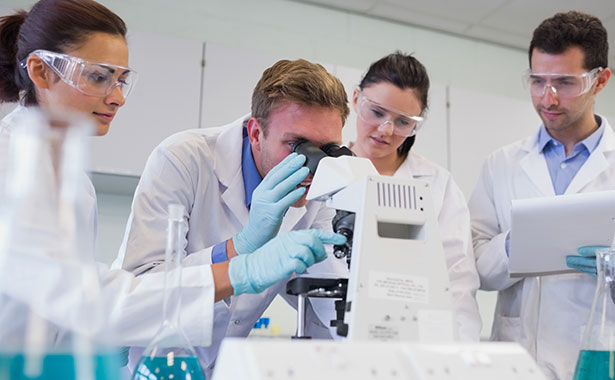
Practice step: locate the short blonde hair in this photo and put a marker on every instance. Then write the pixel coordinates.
(299, 82)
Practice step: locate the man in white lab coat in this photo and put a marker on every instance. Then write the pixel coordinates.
(573, 151)
(216, 174)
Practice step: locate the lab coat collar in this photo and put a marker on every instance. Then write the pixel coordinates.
(227, 167)
(535, 165)
(597, 162)
(415, 166)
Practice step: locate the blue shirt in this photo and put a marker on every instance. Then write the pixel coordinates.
(251, 179)
(561, 168)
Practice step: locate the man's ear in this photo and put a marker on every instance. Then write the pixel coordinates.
(602, 80)
(38, 72)
(255, 134)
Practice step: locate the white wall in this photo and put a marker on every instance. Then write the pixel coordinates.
(293, 29)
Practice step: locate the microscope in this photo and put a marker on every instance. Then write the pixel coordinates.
(398, 287)
(397, 292)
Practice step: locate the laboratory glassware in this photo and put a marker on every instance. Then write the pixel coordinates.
(42, 216)
(170, 354)
(597, 356)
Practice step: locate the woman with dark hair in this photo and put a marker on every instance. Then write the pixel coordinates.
(72, 54)
(391, 102)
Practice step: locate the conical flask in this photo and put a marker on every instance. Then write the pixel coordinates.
(170, 354)
(42, 219)
(597, 357)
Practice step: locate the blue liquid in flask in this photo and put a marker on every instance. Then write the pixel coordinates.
(162, 368)
(595, 365)
(59, 367)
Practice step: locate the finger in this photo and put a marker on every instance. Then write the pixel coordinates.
(590, 250)
(287, 184)
(286, 167)
(305, 254)
(295, 265)
(291, 198)
(329, 237)
(581, 260)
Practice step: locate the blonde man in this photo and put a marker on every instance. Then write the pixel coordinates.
(237, 183)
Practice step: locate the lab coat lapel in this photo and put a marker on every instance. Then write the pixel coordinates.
(596, 163)
(228, 168)
(292, 217)
(535, 167)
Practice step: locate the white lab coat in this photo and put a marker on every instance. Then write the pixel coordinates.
(547, 315)
(132, 306)
(454, 220)
(201, 169)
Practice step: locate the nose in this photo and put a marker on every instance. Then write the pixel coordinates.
(550, 96)
(386, 128)
(116, 97)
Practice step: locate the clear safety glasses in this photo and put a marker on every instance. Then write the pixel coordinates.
(91, 78)
(375, 114)
(563, 85)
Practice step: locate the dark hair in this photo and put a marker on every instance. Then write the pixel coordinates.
(403, 71)
(568, 29)
(54, 25)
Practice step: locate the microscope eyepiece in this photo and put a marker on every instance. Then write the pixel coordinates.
(314, 154)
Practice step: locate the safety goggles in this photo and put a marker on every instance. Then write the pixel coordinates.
(91, 78)
(376, 114)
(563, 85)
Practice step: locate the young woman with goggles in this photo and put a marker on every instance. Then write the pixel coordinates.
(391, 102)
(72, 54)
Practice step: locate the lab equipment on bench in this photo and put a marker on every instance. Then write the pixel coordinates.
(398, 287)
(170, 354)
(42, 217)
(597, 357)
(330, 360)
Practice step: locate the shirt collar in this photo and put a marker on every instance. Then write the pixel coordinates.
(251, 176)
(590, 143)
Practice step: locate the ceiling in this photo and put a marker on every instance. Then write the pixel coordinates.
(504, 22)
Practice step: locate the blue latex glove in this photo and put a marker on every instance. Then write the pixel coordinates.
(289, 252)
(270, 201)
(586, 260)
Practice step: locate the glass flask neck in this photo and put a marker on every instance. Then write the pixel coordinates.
(599, 333)
(173, 267)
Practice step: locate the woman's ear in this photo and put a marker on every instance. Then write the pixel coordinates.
(38, 72)
(355, 97)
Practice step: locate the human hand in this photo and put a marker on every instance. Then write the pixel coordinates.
(289, 252)
(270, 201)
(586, 260)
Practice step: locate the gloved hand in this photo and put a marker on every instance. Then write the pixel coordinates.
(289, 252)
(586, 260)
(270, 200)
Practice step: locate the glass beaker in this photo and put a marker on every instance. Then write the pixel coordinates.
(170, 354)
(42, 215)
(597, 357)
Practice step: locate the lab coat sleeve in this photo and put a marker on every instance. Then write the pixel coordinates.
(168, 177)
(488, 236)
(131, 306)
(454, 221)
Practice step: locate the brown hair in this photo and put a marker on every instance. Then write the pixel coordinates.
(300, 82)
(567, 29)
(54, 25)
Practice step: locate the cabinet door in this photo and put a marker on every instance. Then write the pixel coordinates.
(165, 100)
